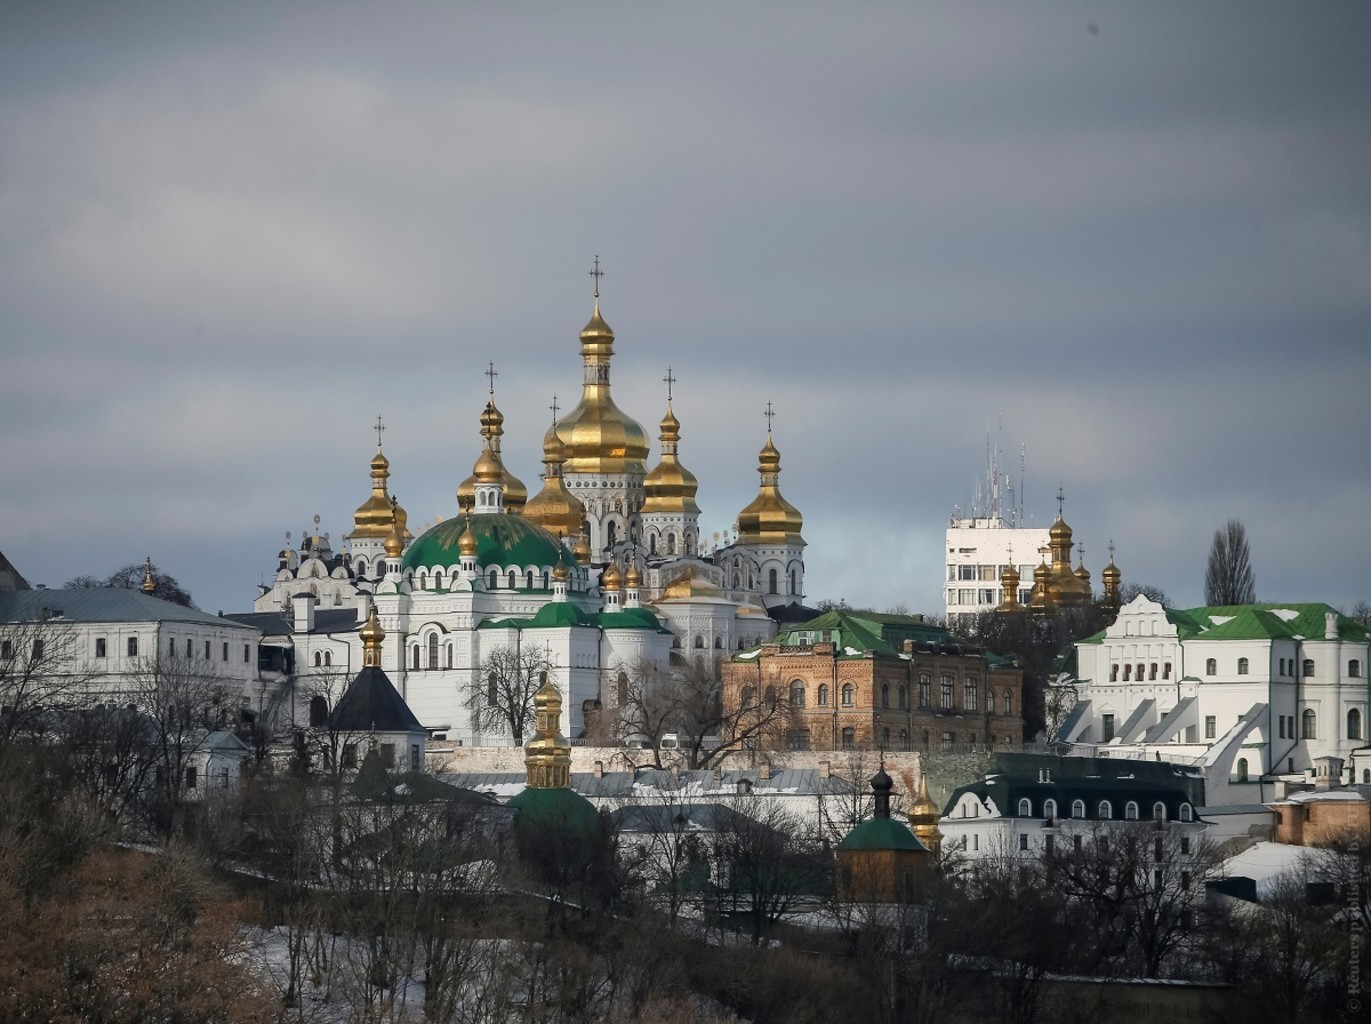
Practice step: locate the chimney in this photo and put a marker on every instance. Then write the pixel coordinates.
(599, 769)
(1330, 625)
(1328, 773)
(907, 647)
(825, 770)
(303, 606)
(764, 771)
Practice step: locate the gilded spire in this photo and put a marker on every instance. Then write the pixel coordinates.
(924, 816)
(547, 756)
(492, 432)
(372, 634)
(375, 516)
(149, 584)
(670, 487)
(554, 507)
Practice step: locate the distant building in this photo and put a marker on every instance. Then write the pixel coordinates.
(1248, 693)
(864, 681)
(1326, 814)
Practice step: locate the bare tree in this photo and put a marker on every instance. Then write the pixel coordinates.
(1150, 591)
(500, 696)
(643, 703)
(708, 727)
(130, 577)
(1228, 578)
(41, 676)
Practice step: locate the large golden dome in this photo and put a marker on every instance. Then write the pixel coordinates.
(555, 508)
(599, 436)
(770, 519)
(670, 487)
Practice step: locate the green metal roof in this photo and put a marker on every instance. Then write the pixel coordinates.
(881, 834)
(1255, 622)
(630, 618)
(559, 809)
(502, 539)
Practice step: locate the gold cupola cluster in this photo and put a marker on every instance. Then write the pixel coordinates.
(599, 436)
(376, 516)
(554, 508)
(670, 487)
(547, 757)
(1056, 584)
(770, 519)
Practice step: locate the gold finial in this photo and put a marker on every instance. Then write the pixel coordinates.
(149, 584)
(380, 427)
(597, 273)
(372, 634)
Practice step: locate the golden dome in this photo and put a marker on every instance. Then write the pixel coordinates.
(1009, 586)
(466, 543)
(554, 507)
(581, 552)
(670, 487)
(599, 436)
(492, 430)
(372, 634)
(924, 816)
(689, 584)
(633, 579)
(770, 518)
(559, 571)
(373, 517)
(611, 580)
(488, 469)
(548, 755)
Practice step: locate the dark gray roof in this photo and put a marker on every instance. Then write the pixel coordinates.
(101, 604)
(657, 818)
(331, 620)
(372, 704)
(10, 578)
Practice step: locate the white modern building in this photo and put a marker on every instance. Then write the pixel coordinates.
(1246, 693)
(979, 550)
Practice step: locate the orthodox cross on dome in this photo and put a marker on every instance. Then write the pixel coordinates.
(1061, 500)
(1080, 551)
(379, 428)
(770, 414)
(670, 379)
(1111, 549)
(555, 408)
(596, 273)
(491, 373)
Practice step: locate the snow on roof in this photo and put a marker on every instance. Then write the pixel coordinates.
(1285, 614)
(748, 655)
(1263, 862)
(1219, 620)
(1327, 794)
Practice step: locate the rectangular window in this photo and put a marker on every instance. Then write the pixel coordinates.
(925, 686)
(987, 596)
(849, 739)
(947, 685)
(226, 650)
(1023, 841)
(6, 649)
(247, 653)
(1076, 842)
(966, 572)
(1282, 725)
(949, 738)
(190, 648)
(207, 650)
(1166, 670)
(133, 647)
(1185, 844)
(1210, 725)
(988, 573)
(414, 760)
(966, 596)
(1158, 848)
(1048, 842)
(192, 777)
(1108, 727)
(970, 696)
(387, 755)
(99, 647)
(350, 755)
(223, 778)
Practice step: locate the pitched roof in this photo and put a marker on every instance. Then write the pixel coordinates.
(101, 604)
(372, 704)
(1256, 622)
(326, 620)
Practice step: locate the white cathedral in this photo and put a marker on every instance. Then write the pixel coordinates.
(601, 573)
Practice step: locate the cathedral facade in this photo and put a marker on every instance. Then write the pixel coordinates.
(599, 575)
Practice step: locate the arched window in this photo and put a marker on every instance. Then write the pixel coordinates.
(1211, 666)
(718, 643)
(1008, 703)
(1049, 808)
(528, 579)
(1354, 669)
(1159, 811)
(793, 588)
(1130, 811)
(1354, 724)
(1127, 673)
(652, 544)
(318, 711)
(904, 739)
(494, 579)
(771, 581)
(414, 657)
(823, 695)
(1242, 666)
(511, 577)
(1025, 808)
(1366, 776)
(904, 696)
(797, 694)
(885, 695)
(849, 694)
(670, 543)
(770, 696)
(699, 642)
(749, 696)
(381, 567)
(1114, 673)
(361, 567)
(1078, 808)
(449, 655)
(1241, 768)
(1309, 722)
(1308, 669)
(1152, 671)
(438, 579)
(1105, 811)
(675, 643)
(1187, 813)
(433, 650)
(423, 580)
(318, 659)
(328, 658)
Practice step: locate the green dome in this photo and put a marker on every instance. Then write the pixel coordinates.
(562, 811)
(501, 539)
(559, 613)
(881, 834)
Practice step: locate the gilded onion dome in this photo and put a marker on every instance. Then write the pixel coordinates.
(395, 541)
(1009, 586)
(670, 487)
(924, 816)
(633, 579)
(372, 634)
(554, 507)
(1111, 578)
(599, 436)
(548, 755)
(581, 552)
(375, 517)
(1064, 586)
(492, 430)
(466, 543)
(770, 518)
(1039, 601)
(612, 579)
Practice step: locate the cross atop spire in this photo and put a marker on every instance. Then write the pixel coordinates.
(770, 414)
(380, 427)
(1061, 500)
(596, 273)
(491, 373)
(555, 409)
(670, 379)
(1111, 549)
(1080, 552)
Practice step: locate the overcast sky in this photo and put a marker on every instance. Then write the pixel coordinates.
(231, 235)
